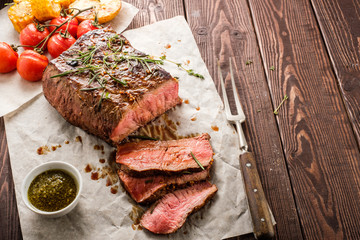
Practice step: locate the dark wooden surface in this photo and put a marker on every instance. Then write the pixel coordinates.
(308, 155)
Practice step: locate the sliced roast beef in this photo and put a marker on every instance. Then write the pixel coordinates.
(170, 212)
(149, 189)
(106, 87)
(174, 156)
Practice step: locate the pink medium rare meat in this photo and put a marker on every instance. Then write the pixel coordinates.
(174, 156)
(169, 213)
(149, 189)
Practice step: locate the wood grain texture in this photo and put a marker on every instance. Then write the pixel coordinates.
(155, 10)
(9, 219)
(339, 23)
(223, 29)
(320, 146)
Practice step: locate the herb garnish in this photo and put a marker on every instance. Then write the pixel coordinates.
(276, 112)
(248, 62)
(272, 68)
(102, 67)
(200, 165)
(189, 71)
(103, 97)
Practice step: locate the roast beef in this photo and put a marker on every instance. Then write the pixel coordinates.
(174, 156)
(170, 212)
(148, 189)
(106, 87)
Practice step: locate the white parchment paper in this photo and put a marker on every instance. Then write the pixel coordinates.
(15, 91)
(102, 215)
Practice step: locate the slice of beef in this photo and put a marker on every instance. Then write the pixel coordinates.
(170, 212)
(148, 189)
(107, 87)
(174, 156)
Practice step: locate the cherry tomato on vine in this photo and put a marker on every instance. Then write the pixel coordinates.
(72, 28)
(8, 58)
(31, 35)
(86, 26)
(58, 44)
(31, 65)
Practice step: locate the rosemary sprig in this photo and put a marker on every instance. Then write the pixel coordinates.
(90, 89)
(87, 56)
(103, 97)
(93, 78)
(111, 40)
(276, 112)
(118, 80)
(77, 70)
(200, 165)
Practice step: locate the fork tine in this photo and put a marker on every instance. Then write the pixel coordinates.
(226, 101)
(236, 96)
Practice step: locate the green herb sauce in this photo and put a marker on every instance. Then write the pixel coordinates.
(52, 190)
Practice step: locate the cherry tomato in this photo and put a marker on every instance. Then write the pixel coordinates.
(72, 28)
(86, 26)
(58, 44)
(31, 65)
(8, 58)
(31, 36)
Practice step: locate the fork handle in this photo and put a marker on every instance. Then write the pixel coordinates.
(242, 139)
(259, 209)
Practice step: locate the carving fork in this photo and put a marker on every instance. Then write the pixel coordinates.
(260, 213)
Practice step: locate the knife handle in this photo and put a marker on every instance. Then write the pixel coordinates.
(259, 209)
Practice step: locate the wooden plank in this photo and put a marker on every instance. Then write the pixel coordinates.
(339, 23)
(9, 220)
(320, 146)
(155, 10)
(223, 29)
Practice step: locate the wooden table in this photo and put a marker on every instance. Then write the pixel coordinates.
(307, 155)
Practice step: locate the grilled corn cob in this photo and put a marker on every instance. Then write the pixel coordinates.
(20, 14)
(45, 9)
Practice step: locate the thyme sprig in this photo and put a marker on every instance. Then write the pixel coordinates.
(189, 71)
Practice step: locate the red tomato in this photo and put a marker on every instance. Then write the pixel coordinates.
(8, 58)
(57, 44)
(72, 28)
(31, 65)
(31, 36)
(86, 26)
